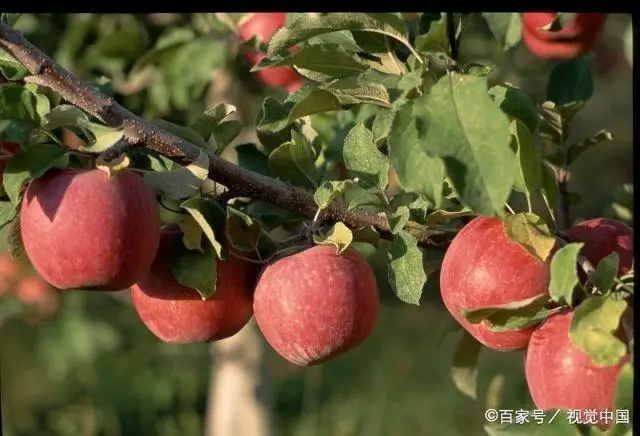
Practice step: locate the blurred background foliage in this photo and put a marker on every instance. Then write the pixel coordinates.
(85, 365)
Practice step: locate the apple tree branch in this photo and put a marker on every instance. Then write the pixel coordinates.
(138, 132)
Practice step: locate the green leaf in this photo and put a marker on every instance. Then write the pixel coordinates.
(575, 150)
(555, 121)
(181, 183)
(526, 307)
(406, 271)
(398, 219)
(294, 161)
(529, 174)
(313, 25)
(251, 158)
(16, 131)
(571, 80)
(209, 217)
(186, 133)
(31, 163)
(349, 90)
(363, 159)
(532, 233)
(464, 371)
(343, 38)
(191, 232)
(18, 103)
(418, 170)
(10, 68)
(606, 272)
(329, 191)
(339, 235)
(64, 115)
(331, 60)
(355, 196)
(463, 126)
(103, 136)
(550, 424)
(381, 127)
(436, 38)
(564, 274)
(447, 214)
(502, 321)
(624, 400)
(194, 269)
(206, 123)
(593, 328)
(516, 103)
(8, 212)
(242, 230)
(506, 28)
(224, 135)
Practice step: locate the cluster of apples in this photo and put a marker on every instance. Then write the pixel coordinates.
(574, 39)
(484, 268)
(263, 25)
(86, 230)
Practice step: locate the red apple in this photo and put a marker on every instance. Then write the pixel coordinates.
(82, 229)
(560, 376)
(7, 148)
(316, 305)
(178, 315)
(34, 290)
(574, 39)
(603, 236)
(264, 25)
(484, 268)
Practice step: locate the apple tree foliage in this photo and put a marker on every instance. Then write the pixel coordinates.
(389, 124)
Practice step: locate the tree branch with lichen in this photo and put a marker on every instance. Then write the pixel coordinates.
(46, 72)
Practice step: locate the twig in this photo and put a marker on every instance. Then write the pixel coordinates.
(451, 35)
(44, 71)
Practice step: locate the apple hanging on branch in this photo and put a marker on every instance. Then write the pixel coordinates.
(179, 314)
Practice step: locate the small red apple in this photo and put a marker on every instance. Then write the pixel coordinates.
(84, 229)
(603, 236)
(561, 376)
(178, 315)
(484, 268)
(34, 290)
(316, 305)
(264, 25)
(574, 39)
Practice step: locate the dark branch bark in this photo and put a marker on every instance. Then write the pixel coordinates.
(45, 72)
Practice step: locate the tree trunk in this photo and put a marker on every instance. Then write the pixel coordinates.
(239, 398)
